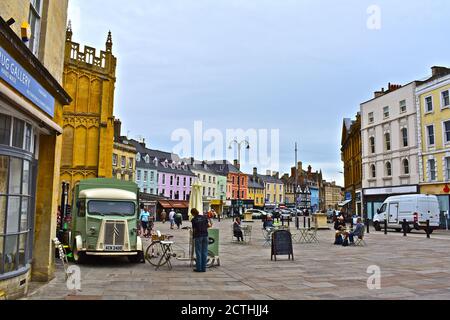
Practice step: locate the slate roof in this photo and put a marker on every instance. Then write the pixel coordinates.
(161, 156)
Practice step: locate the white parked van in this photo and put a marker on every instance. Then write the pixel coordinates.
(415, 208)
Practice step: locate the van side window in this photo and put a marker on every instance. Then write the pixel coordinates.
(383, 208)
(81, 208)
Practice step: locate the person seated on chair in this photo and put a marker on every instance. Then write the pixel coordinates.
(339, 226)
(269, 222)
(237, 230)
(358, 232)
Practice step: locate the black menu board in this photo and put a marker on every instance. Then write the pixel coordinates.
(282, 244)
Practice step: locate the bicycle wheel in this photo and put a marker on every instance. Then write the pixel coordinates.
(154, 253)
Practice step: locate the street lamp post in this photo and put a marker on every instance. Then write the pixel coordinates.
(239, 144)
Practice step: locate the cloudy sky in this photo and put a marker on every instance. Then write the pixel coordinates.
(299, 66)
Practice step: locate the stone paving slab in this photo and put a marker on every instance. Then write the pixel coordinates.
(411, 267)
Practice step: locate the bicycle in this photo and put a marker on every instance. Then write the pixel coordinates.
(154, 252)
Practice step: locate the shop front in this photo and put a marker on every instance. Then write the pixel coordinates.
(217, 206)
(31, 101)
(177, 205)
(442, 191)
(373, 198)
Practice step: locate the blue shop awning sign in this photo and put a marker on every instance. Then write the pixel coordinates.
(15, 75)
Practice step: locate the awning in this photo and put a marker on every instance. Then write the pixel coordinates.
(216, 202)
(165, 204)
(343, 204)
(179, 204)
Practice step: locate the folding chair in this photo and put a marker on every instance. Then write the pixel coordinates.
(312, 236)
(267, 234)
(247, 233)
(360, 240)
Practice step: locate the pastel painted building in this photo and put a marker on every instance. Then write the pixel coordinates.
(174, 178)
(433, 109)
(146, 175)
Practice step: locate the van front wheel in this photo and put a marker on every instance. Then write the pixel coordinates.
(377, 226)
(137, 258)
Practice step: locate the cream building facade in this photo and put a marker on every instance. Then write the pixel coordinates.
(389, 145)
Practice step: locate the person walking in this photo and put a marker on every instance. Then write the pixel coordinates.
(171, 218)
(200, 227)
(178, 219)
(144, 219)
(163, 216)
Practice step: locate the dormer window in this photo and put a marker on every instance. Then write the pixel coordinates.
(138, 157)
(155, 161)
(147, 159)
(166, 163)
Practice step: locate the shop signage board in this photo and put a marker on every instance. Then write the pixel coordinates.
(16, 76)
(282, 244)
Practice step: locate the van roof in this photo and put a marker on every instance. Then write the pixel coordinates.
(411, 196)
(107, 193)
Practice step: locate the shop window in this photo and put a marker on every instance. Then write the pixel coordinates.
(28, 135)
(5, 129)
(15, 206)
(18, 132)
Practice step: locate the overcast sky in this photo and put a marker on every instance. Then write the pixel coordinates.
(299, 66)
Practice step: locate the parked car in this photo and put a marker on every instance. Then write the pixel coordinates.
(416, 209)
(257, 214)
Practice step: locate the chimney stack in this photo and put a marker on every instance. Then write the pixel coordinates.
(393, 87)
(379, 93)
(142, 143)
(300, 166)
(292, 171)
(309, 169)
(438, 71)
(255, 172)
(117, 129)
(237, 165)
(268, 173)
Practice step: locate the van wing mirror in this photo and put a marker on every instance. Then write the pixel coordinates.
(378, 211)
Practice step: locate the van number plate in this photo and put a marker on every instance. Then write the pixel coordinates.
(114, 248)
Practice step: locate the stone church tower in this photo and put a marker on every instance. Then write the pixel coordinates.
(88, 136)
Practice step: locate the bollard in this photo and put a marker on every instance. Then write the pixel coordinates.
(368, 225)
(297, 222)
(405, 227)
(309, 223)
(428, 229)
(385, 226)
(304, 222)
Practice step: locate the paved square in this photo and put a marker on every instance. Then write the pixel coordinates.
(411, 268)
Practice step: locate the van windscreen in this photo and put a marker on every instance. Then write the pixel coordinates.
(111, 208)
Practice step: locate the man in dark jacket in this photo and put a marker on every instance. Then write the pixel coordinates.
(200, 227)
(358, 232)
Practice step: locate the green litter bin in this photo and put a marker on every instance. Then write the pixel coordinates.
(213, 241)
